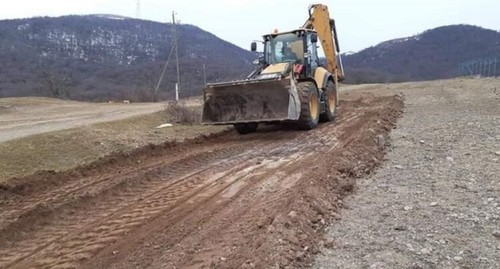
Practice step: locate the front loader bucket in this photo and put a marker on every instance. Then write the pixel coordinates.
(251, 101)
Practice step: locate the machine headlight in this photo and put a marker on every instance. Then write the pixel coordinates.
(270, 76)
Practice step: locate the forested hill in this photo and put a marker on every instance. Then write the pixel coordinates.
(106, 57)
(434, 54)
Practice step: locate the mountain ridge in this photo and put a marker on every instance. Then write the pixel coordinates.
(432, 54)
(128, 51)
(101, 57)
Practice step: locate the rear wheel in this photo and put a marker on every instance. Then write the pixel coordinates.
(330, 95)
(246, 128)
(309, 105)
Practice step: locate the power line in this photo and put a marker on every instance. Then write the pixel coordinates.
(174, 22)
(164, 69)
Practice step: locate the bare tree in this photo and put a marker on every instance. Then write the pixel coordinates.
(54, 84)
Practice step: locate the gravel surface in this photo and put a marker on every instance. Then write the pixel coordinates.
(435, 202)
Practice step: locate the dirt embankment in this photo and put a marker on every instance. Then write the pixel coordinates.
(224, 201)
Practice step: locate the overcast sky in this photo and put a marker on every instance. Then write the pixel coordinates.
(360, 23)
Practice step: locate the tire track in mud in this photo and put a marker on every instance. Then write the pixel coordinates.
(90, 214)
(88, 187)
(130, 196)
(113, 228)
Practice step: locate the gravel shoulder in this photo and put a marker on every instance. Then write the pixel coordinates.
(435, 202)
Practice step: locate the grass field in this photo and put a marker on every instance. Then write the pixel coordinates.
(64, 149)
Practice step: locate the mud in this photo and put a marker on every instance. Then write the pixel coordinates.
(224, 201)
(249, 102)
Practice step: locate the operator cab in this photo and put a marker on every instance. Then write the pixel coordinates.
(295, 49)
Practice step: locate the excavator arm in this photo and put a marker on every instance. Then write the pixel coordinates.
(320, 21)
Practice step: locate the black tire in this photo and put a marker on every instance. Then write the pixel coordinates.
(246, 128)
(330, 99)
(310, 106)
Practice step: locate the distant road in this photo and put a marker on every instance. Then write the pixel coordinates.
(21, 117)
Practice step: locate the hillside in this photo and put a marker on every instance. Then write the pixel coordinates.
(104, 57)
(434, 54)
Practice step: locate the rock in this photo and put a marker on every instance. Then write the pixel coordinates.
(381, 140)
(115, 252)
(408, 208)
(299, 255)
(400, 228)
(422, 142)
(425, 251)
(496, 234)
(457, 258)
(250, 265)
(442, 241)
(450, 159)
(497, 153)
(223, 259)
(378, 265)
(399, 167)
(433, 204)
(292, 214)
(329, 244)
(157, 247)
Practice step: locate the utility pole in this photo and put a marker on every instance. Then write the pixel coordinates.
(204, 75)
(495, 68)
(480, 68)
(490, 69)
(138, 9)
(176, 41)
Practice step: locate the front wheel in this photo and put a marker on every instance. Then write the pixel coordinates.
(246, 128)
(309, 105)
(330, 99)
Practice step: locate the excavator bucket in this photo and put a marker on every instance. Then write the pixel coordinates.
(251, 101)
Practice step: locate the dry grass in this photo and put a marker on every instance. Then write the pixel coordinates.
(183, 114)
(62, 150)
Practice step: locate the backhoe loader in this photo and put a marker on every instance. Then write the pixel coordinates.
(289, 84)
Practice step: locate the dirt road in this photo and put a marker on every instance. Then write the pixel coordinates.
(225, 201)
(21, 117)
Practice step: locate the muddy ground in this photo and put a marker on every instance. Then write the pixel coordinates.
(224, 201)
(269, 199)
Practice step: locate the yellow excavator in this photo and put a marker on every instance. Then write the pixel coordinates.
(289, 84)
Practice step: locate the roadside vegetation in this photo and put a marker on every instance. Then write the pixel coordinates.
(66, 149)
